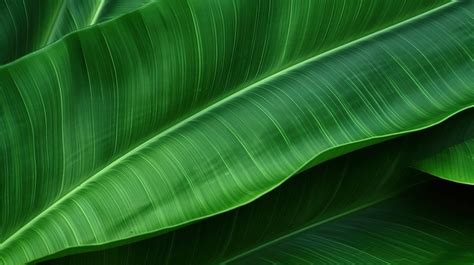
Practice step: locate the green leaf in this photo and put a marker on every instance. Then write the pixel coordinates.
(125, 129)
(405, 230)
(455, 163)
(333, 189)
(28, 25)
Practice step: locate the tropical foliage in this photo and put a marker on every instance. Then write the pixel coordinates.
(236, 132)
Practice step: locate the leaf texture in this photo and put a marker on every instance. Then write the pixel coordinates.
(29, 25)
(455, 163)
(404, 230)
(88, 100)
(328, 191)
(110, 149)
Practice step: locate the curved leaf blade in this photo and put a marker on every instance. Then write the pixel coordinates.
(404, 230)
(334, 189)
(455, 163)
(74, 108)
(139, 168)
(29, 25)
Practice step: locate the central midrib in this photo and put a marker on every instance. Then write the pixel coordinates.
(207, 108)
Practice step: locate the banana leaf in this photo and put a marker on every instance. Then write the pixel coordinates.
(126, 129)
(29, 25)
(335, 190)
(455, 164)
(404, 230)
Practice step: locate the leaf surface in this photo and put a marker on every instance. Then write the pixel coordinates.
(455, 163)
(405, 230)
(332, 190)
(29, 25)
(116, 146)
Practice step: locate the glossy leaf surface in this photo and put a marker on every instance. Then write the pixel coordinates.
(125, 129)
(332, 190)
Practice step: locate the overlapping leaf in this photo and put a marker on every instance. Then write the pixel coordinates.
(77, 114)
(455, 164)
(405, 230)
(329, 191)
(28, 25)
(86, 101)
